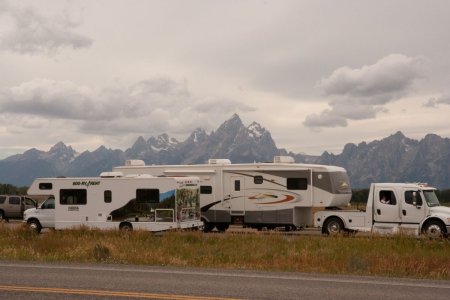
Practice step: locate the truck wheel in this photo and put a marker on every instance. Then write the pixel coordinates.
(333, 226)
(434, 230)
(34, 225)
(126, 227)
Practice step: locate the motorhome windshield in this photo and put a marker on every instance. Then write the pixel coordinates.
(431, 198)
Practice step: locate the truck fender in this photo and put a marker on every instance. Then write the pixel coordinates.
(333, 224)
(433, 220)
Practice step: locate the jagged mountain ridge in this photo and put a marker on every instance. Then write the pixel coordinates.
(392, 159)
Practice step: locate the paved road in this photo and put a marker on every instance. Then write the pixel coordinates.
(20, 280)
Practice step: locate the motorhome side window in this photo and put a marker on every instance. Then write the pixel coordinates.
(388, 197)
(409, 198)
(297, 184)
(72, 197)
(237, 185)
(205, 189)
(45, 186)
(147, 195)
(258, 180)
(107, 196)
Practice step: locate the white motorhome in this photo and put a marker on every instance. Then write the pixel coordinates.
(278, 194)
(392, 208)
(114, 201)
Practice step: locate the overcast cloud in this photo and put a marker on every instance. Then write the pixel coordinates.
(317, 74)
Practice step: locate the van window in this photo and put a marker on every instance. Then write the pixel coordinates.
(297, 184)
(147, 195)
(2, 199)
(14, 200)
(107, 196)
(205, 189)
(73, 197)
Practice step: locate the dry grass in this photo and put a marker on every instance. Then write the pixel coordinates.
(398, 256)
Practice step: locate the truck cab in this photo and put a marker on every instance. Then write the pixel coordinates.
(392, 208)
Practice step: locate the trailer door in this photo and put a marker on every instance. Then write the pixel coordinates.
(234, 195)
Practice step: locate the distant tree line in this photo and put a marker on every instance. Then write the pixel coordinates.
(9, 189)
(360, 196)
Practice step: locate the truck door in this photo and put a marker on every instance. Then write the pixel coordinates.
(386, 207)
(235, 195)
(412, 209)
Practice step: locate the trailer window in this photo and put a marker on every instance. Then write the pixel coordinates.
(205, 189)
(45, 186)
(107, 196)
(147, 195)
(258, 180)
(237, 185)
(73, 197)
(297, 184)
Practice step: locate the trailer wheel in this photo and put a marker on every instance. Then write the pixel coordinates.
(207, 226)
(126, 227)
(34, 225)
(222, 227)
(333, 226)
(434, 230)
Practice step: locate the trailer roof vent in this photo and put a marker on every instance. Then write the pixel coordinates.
(219, 161)
(283, 159)
(134, 162)
(111, 174)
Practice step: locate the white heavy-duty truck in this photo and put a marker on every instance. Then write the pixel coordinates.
(114, 201)
(392, 208)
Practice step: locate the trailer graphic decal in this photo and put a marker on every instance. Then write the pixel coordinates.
(288, 198)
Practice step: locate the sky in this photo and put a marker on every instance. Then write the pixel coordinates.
(316, 74)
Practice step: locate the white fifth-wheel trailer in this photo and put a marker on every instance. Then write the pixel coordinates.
(258, 195)
(112, 201)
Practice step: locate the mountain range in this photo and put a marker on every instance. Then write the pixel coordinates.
(393, 159)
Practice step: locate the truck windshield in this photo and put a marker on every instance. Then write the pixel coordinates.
(431, 198)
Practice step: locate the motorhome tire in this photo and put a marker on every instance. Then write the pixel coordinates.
(434, 230)
(34, 225)
(126, 227)
(333, 226)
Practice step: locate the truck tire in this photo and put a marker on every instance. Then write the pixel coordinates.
(333, 226)
(434, 229)
(34, 225)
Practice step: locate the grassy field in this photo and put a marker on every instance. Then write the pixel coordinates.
(398, 256)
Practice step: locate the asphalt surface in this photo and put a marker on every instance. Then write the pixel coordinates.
(20, 280)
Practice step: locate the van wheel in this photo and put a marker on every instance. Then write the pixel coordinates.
(34, 225)
(126, 227)
(333, 226)
(434, 230)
